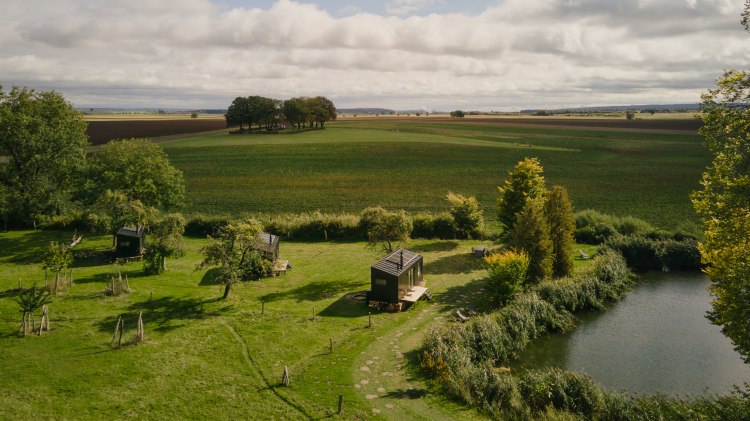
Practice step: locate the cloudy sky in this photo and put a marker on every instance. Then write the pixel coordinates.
(401, 54)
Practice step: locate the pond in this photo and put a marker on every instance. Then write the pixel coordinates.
(656, 339)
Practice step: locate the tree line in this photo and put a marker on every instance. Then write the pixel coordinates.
(274, 114)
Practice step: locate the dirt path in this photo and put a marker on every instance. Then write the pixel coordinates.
(381, 378)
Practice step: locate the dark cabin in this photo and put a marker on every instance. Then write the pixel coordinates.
(130, 242)
(396, 279)
(268, 244)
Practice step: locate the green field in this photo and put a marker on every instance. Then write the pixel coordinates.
(412, 164)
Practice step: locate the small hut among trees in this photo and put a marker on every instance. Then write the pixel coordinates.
(397, 281)
(130, 241)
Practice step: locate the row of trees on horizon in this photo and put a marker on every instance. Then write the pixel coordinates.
(299, 112)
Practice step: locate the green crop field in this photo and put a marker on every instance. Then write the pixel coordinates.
(412, 164)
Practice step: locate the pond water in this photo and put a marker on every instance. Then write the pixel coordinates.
(656, 339)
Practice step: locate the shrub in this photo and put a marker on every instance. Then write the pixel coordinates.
(506, 274)
(427, 225)
(316, 226)
(680, 255)
(466, 214)
(201, 225)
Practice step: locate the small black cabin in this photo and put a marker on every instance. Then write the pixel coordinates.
(268, 244)
(130, 242)
(395, 278)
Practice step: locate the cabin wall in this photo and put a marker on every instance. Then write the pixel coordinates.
(128, 246)
(383, 292)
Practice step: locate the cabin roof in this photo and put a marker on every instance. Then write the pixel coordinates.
(131, 231)
(267, 241)
(391, 263)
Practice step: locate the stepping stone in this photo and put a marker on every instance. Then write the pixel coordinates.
(369, 362)
(371, 396)
(381, 390)
(375, 411)
(365, 368)
(357, 386)
(389, 406)
(365, 381)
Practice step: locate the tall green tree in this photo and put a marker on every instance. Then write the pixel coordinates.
(466, 214)
(114, 210)
(235, 250)
(531, 234)
(559, 211)
(42, 140)
(322, 110)
(30, 300)
(165, 240)
(237, 112)
(524, 183)
(296, 111)
(139, 169)
(723, 205)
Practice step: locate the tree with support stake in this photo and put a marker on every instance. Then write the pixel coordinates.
(31, 299)
(285, 377)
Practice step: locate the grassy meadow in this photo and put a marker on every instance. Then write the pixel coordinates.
(208, 358)
(411, 164)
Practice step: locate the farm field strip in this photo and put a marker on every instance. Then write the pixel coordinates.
(353, 165)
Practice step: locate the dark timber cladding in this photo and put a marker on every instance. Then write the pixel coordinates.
(130, 242)
(395, 276)
(268, 244)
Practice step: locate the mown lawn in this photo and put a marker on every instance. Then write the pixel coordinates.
(411, 165)
(204, 358)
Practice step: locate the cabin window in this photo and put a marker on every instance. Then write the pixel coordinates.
(381, 282)
(124, 243)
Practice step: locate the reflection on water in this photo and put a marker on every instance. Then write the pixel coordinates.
(657, 339)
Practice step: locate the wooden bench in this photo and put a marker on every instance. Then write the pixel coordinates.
(280, 267)
(584, 256)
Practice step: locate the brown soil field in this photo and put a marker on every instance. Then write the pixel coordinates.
(683, 125)
(103, 131)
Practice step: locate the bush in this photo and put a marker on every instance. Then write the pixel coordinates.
(316, 226)
(203, 225)
(644, 253)
(506, 273)
(595, 234)
(680, 255)
(593, 227)
(427, 225)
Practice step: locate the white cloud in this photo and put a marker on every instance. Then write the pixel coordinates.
(520, 53)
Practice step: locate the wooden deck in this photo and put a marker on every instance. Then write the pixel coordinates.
(415, 294)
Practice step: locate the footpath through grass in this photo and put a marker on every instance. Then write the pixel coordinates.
(412, 165)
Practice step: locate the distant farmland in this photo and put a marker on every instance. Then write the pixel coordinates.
(412, 163)
(102, 131)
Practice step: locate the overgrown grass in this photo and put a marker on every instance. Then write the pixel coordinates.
(411, 165)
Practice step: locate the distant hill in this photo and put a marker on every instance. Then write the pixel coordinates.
(614, 108)
(102, 110)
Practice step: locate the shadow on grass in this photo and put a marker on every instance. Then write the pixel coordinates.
(209, 278)
(412, 393)
(346, 307)
(436, 246)
(315, 291)
(474, 294)
(165, 314)
(26, 248)
(457, 263)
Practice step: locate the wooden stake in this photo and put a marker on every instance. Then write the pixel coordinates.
(71, 277)
(369, 319)
(262, 307)
(313, 314)
(330, 345)
(117, 327)
(341, 403)
(285, 378)
(122, 326)
(140, 333)
(127, 285)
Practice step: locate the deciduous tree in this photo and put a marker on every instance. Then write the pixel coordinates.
(386, 229)
(139, 169)
(524, 183)
(723, 205)
(42, 140)
(506, 273)
(114, 210)
(466, 214)
(235, 250)
(56, 258)
(165, 240)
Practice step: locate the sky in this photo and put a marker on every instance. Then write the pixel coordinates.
(486, 55)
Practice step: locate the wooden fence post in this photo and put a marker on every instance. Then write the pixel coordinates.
(369, 319)
(285, 378)
(140, 333)
(330, 345)
(341, 403)
(262, 307)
